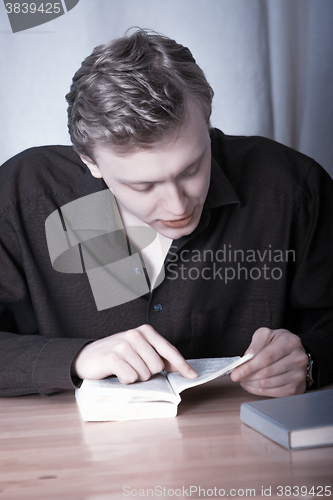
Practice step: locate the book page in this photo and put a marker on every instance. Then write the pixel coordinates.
(157, 388)
(207, 369)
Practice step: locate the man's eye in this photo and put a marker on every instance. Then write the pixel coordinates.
(191, 172)
(143, 190)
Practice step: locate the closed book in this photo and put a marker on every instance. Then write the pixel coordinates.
(295, 422)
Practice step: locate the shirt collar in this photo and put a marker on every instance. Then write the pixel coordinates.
(220, 190)
(220, 193)
(91, 184)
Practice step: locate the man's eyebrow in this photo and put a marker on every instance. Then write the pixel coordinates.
(124, 181)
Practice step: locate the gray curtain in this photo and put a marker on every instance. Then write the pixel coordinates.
(270, 63)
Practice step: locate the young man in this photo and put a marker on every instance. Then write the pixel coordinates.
(167, 240)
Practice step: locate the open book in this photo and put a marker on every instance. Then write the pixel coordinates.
(158, 397)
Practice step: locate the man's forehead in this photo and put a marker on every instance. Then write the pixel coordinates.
(162, 160)
(167, 141)
(150, 165)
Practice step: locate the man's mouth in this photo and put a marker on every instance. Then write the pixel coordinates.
(178, 222)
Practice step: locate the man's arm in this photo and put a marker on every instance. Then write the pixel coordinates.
(278, 367)
(33, 363)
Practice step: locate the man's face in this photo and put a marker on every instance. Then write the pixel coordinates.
(165, 186)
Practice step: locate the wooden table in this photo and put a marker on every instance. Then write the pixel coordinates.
(47, 452)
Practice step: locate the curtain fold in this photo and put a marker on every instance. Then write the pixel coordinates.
(270, 63)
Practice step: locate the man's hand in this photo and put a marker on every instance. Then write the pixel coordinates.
(131, 355)
(278, 367)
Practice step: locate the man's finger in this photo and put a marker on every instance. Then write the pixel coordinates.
(256, 367)
(288, 389)
(125, 373)
(167, 351)
(144, 354)
(267, 348)
(296, 361)
(261, 338)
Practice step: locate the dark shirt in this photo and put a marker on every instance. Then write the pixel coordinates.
(260, 256)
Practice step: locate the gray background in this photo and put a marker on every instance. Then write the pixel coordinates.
(270, 63)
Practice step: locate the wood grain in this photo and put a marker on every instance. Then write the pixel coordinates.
(47, 452)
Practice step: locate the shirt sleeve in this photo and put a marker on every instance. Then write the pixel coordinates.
(30, 363)
(312, 285)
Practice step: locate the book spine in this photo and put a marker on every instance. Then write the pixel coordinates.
(265, 425)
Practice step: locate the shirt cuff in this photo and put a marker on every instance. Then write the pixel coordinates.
(52, 371)
(320, 346)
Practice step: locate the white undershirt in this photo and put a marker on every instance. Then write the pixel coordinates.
(153, 254)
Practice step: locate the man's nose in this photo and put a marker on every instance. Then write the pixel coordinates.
(174, 200)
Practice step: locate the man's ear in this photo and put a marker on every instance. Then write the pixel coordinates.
(94, 169)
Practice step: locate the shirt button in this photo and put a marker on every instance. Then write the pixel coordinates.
(137, 271)
(158, 307)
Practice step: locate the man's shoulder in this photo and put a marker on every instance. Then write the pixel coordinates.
(40, 171)
(262, 162)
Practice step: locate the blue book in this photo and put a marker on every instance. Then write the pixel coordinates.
(295, 422)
